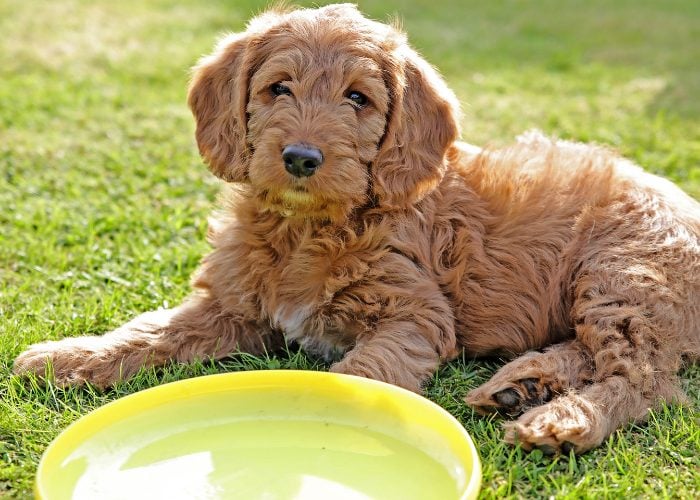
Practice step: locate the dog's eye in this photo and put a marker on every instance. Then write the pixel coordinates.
(279, 89)
(358, 98)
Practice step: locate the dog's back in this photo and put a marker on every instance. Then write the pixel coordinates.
(517, 227)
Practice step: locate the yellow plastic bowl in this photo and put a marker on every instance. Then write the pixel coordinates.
(277, 434)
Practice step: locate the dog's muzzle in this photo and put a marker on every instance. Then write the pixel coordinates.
(301, 160)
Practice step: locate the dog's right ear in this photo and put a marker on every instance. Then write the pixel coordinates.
(422, 125)
(218, 96)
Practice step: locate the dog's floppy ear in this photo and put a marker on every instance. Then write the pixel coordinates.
(422, 124)
(218, 96)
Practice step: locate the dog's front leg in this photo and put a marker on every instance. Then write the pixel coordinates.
(197, 329)
(414, 333)
(398, 355)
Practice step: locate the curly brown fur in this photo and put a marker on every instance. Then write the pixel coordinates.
(405, 247)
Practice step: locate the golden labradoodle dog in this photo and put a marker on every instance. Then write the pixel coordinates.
(356, 225)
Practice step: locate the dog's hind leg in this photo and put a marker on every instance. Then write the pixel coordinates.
(634, 320)
(533, 379)
(581, 420)
(197, 329)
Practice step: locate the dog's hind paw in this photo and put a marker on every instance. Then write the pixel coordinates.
(510, 398)
(567, 423)
(533, 379)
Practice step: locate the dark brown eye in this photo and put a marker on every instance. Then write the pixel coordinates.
(279, 89)
(357, 98)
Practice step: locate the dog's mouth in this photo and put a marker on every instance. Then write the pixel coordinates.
(297, 195)
(298, 202)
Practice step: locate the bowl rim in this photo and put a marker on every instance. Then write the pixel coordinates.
(87, 425)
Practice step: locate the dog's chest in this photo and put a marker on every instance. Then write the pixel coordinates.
(301, 305)
(308, 296)
(325, 337)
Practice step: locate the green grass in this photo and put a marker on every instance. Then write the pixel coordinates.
(104, 199)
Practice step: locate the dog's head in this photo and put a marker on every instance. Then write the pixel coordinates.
(321, 111)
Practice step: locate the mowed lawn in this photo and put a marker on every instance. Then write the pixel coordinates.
(104, 199)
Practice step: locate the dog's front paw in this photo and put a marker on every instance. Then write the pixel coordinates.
(355, 365)
(63, 362)
(350, 367)
(567, 423)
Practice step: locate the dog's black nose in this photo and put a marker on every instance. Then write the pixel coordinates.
(301, 160)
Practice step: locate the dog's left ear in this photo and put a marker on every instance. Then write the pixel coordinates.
(422, 125)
